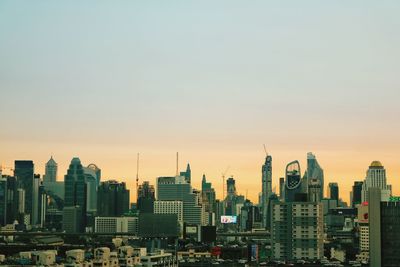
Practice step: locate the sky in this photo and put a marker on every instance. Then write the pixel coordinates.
(214, 80)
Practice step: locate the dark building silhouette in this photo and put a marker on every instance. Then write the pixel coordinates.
(357, 192)
(146, 197)
(334, 191)
(113, 199)
(75, 195)
(23, 171)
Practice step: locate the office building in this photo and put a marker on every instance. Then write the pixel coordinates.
(73, 221)
(208, 201)
(314, 190)
(91, 189)
(282, 188)
(384, 230)
(3, 201)
(35, 199)
(169, 207)
(297, 231)
(177, 188)
(150, 226)
(292, 181)
(75, 195)
(113, 199)
(376, 177)
(116, 225)
(333, 189)
(96, 172)
(363, 222)
(187, 174)
(23, 171)
(266, 183)
(356, 193)
(314, 171)
(146, 197)
(50, 171)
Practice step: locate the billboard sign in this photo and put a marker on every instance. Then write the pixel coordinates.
(228, 219)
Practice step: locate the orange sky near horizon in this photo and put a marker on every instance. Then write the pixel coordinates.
(343, 167)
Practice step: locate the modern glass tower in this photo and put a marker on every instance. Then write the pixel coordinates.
(314, 171)
(292, 181)
(75, 193)
(23, 171)
(51, 171)
(266, 192)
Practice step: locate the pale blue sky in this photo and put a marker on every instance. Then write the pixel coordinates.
(200, 77)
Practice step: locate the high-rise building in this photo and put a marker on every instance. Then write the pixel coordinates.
(3, 201)
(116, 225)
(75, 194)
(297, 231)
(91, 189)
(146, 197)
(35, 199)
(376, 177)
(23, 171)
(282, 188)
(96, 172)
(12, 199)
(333, 191)
(177, 188)
(384, 229)
(356, 193)
(51, 171)
(314, 171)
(73, 220)
(314, 190)
(266, 173)
(208, 201)
(187, 174)
(292, 181)
(113, 199)
(363, 222)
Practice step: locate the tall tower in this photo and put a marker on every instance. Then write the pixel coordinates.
(293, 181)
(376, 177)
(333, 191)
(266, 193)
(51, 171)
(314, 171)
(187, 174)
(23, 171)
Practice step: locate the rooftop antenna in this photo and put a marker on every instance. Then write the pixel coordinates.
(223, 182)
(265, 149)
(177, 163)
(137, 175)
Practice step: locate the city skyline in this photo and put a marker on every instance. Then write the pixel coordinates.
(119, 79)
(243, 188)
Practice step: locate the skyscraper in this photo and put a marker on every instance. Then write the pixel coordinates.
(282, 188)
(3, 200)
(51, 171)
(314, 171)
(75, 194)
(23, 171)
(376, 177)
(208, 197)
(297, 231)
(146, 197)
(187, 174)
(333, 191)
(292, 181)
(113, 199)
(177, 188)
(266, 192)
(356, 193)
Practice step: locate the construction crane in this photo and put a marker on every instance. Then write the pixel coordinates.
(223, 182)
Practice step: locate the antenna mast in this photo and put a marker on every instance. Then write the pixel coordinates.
(137, 175)
(265, 149)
